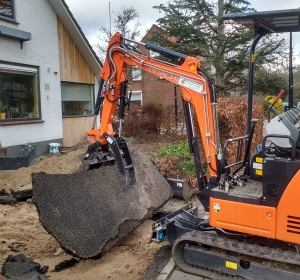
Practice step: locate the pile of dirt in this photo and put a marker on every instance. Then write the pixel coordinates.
(64, 163)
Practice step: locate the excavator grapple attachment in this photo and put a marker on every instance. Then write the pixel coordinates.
(116, 151)
(123, 160)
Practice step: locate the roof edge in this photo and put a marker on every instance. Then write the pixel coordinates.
(81, 32)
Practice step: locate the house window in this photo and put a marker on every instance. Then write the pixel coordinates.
(136, 98)
(77, 99)
(154, 54)
(7, 9)
(136, 73)
(19, 92)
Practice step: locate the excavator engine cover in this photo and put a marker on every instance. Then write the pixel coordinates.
(87, 212)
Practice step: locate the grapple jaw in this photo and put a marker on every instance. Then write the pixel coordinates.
(115, 151)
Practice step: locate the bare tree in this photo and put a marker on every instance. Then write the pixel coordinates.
(126, 21)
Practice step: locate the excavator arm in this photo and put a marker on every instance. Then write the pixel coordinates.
(107, 145)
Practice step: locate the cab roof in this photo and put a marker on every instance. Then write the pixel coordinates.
(268, 22)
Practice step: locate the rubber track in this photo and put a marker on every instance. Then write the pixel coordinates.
(214, 240)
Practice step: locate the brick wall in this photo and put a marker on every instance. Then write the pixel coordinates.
(38, 18)
(155, 89)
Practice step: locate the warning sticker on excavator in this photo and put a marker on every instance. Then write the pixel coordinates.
(258, 172)
(191, 84)
(231, 265)
(257, 165)
(109, 140)
(217, 207)
(259, 160)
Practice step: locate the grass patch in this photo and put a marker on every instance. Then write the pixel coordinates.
(188, 166)
(177, 150)
(181, 152)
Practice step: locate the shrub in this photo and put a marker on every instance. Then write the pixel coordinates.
(143, 119)
(152, 118)
(268, 101)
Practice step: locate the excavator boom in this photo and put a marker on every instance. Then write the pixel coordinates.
(197, 90)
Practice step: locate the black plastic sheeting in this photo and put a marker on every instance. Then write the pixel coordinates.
(88, 213)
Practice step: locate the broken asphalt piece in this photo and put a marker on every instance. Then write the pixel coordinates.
(88, 212)
(3, 192)
(7, 199)
(21, 192)
(65, 264)
(21, 268)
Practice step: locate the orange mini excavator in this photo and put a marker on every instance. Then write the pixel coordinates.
(253, 229)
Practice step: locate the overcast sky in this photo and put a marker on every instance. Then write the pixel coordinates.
(95, 13)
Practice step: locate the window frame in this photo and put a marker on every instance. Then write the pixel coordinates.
(136, 76)
(13, 16)
(18, 68)
(154, 54)
(92, 100)
(137, 92)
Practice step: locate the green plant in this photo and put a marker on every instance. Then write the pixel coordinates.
(179, 150)
(179, 153)
(188, 166)
(15, 110)
(2, 106)
(268, 101)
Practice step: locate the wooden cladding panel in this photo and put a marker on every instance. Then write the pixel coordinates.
(74, 130)
(73, 67)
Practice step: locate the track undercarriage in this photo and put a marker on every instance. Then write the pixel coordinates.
(217, 257)
(217, 254)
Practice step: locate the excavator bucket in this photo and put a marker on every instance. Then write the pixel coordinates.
(181, 189)
(87, 212)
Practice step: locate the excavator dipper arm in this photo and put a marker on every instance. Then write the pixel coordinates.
(197, 90)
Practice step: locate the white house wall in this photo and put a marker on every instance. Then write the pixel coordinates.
(38, 18)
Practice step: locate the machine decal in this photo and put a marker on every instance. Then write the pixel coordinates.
(217, 207)
(257, 165)
(164, 74)
(258, 172)
(231, 265)
(191, 84)
(259, 160)
(109, 140)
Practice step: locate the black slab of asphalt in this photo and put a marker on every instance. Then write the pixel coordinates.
(21, 268)
(88, 213)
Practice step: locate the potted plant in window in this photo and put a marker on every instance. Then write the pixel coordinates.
(15, 111)
(2, 109)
